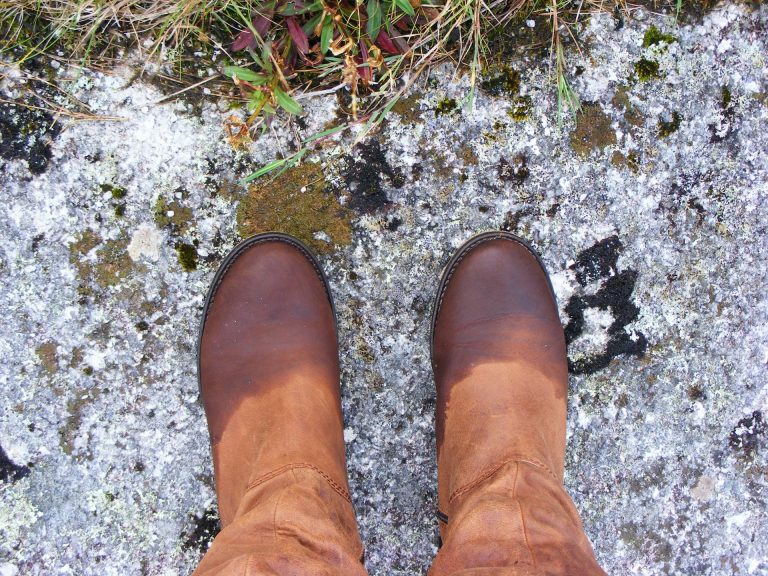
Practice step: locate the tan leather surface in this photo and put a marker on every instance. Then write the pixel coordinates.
(269, 374)
(292, 524)
(520, 519)
(502, 376)
(269, 379)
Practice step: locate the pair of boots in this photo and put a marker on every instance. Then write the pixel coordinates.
(268, 368)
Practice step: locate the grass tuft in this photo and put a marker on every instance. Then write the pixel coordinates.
(272, 54)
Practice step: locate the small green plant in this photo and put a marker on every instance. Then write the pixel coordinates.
(266, 90)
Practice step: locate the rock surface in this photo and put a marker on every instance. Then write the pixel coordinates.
(651, 220)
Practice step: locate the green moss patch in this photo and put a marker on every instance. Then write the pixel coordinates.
(112, 262)
(296, 202)
(520, 109)
(647, 70)
(505, 82)
(446, 106)
(653, 36)
(632, 115)
(117, 192)
(593, 130)
(408, 109)
(667, 127)
(172, 215)
(187, 257)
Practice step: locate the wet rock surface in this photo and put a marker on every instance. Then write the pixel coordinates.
(655, 243)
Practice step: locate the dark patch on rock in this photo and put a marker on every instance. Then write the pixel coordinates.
(36, 240)
(598, 261)
(515, 171)
(363, 177)
(682, 196)
(614, 295)
(745, 438)
(26, 134)
(696, 392)
(506, 82)
(9, 471)
(618, 18)
(512, 219)
(723, 127)
(393, 223)
(667, 127)
(205, 529)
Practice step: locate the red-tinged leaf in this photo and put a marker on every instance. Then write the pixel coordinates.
(365, 74)
(384, 42)
(262, 23)
(404, 24)
(244, 40)
(364, 71)
(402, 45)
(298, 35)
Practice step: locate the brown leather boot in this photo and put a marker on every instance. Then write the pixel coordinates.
(498, 354)
(268, 371)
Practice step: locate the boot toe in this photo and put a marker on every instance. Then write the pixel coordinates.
(494, 292)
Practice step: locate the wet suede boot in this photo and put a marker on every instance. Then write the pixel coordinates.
(498, 354)
(268, 370)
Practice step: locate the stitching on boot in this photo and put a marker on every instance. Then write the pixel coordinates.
(493, 469)
(467, 249)
(338, 488)
(235, 255)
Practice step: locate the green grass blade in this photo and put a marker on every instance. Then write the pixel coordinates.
(406, 7)
(245, 74)
(374, 19)
(286, 102)
(326, 34)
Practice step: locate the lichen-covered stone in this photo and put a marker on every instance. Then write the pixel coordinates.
(655, 247)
